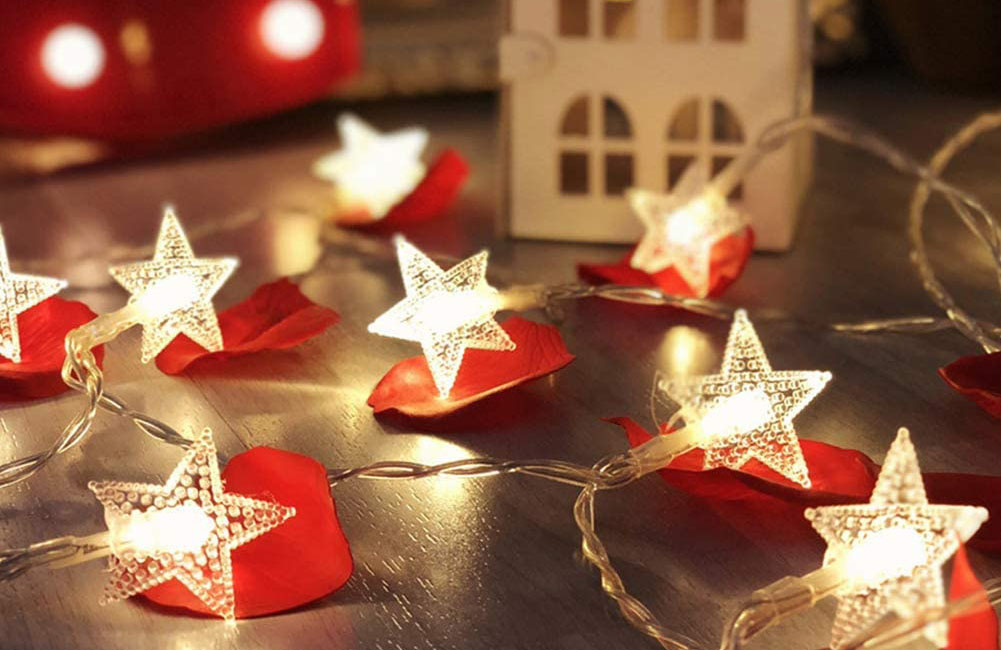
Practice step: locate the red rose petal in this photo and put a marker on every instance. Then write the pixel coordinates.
(976, 630)
(729, 256)
(979, 378)
(303, 559)
(277, 316)
(43, 330)
(770, 508)
(409, 389)
(432, 197)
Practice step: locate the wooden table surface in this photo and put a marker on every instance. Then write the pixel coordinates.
(489, 563)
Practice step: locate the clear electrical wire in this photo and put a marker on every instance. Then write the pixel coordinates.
(81, 372)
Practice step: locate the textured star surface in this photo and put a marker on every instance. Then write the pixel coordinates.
(206, 571)
(174, 257)
(898, 501)
(18, 293)
(372, 168)
(682, 227)
(746, 368)
(445, 311)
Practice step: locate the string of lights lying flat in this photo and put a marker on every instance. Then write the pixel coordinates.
(725, 421)
(551, 296)
(450, 311)
(883, 563)
(787, 597)
(699, 212)
(744, 411)
(171, 294)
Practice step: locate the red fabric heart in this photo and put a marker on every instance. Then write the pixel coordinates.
(302, 560)
(434, 195)
(979, 378)
(729, 256)
(277, 316)
(43, 330)
(770, 508)
(409, 389)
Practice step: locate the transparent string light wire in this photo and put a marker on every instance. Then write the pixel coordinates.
(81, 372)
(757, 613)
(616, 472)
(985, 229)
(977, 218)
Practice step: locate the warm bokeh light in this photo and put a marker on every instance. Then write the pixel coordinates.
(73, 56)
(292, 29)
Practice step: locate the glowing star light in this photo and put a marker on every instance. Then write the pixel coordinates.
(682, 227)
(778, 395)
(373, 170)
(445, 311)
(18, 293)
(184, 530)
(174, 266)
(892, 548)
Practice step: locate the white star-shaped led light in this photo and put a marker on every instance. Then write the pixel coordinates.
(445, 311)
(893, 547)
(373, 170)
(747, 373)
(18, 293)
(174, 266)
(682, 227)
(184, 530)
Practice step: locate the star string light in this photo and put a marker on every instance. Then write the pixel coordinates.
(777, 396)
(373, 170)
(174, 264)
(18, 293)
(184, 529)
(445, 311)
(893, 547)
(682, 227)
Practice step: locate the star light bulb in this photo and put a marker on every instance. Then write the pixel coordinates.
(173, 291)
(445, 311)
(682, 227)
(888, 554)
(18, 293)
(746, 410)
(373, 171)
(184, 529)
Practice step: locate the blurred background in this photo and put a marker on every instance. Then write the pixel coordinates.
(87, 80)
